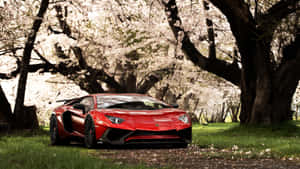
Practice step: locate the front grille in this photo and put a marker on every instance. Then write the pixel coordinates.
(155, 141)
(149, 133)
(118, 136)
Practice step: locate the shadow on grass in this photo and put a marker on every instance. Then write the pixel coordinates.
(41, 131)
(287, 129)
(80, 144)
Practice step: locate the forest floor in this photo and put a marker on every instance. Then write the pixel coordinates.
(188, 158)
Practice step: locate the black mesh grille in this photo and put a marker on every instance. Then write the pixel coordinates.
(117, 134)
(155, 141)
(148, 133)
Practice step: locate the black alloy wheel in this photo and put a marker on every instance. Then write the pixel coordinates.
(89, 130)
(54, 136)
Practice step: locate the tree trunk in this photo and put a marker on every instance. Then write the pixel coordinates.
(5, 111)
(267, 98)
(19, 115)
(129, 78)
(266, 89)
(234, 110)
(271, 105)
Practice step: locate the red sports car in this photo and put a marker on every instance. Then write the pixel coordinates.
(119, 119)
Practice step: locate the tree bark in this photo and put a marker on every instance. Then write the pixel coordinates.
(5, 111)
(19, 115)
(229, 71)
(152, 78)
(210, 32)
(266, 91)
(265, 99)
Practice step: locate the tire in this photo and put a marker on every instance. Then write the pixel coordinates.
(54, 136)
(89, 132)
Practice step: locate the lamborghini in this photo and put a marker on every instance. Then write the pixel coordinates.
(119, 119)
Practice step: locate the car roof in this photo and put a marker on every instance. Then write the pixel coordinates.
(118, 94)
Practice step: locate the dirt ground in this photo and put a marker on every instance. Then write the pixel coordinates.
(186, 158)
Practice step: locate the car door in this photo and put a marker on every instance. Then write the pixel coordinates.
(78, 116)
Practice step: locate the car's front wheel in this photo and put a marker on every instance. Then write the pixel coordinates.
(90, 136)
(54, 136)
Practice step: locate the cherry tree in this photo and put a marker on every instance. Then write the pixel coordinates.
(267, 87)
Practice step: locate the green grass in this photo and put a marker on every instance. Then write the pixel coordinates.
(250, 142)
(29, 150)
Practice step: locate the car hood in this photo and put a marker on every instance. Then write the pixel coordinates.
(162, 119)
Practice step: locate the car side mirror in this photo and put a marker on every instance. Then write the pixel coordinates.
(175, 105)
(80, 107)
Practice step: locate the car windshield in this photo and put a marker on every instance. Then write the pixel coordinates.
(129, 102)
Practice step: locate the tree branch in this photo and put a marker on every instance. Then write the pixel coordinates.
(84, 79)
(280, 10)
(291, 59)
(96, 74)
(276, 13)
(31, 68)
(256, 9)
(288, 74)
(89, 81)
(230, 72)
(238, 15)
(152, 78)
(45, 60)
(210, 32)
(62, 22)
(78, 53)
(10, 50)
(54, 31)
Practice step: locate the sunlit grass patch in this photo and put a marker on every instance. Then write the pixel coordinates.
(274, 142)
(29, 150)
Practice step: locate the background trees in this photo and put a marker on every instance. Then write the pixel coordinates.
(128, 46)
(115, 61)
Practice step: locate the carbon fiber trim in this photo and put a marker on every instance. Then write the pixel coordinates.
(118, 136)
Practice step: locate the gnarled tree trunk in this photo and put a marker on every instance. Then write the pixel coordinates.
(271, 100)
(19, 113)
(266, 89)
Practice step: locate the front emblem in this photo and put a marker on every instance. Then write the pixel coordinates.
(156, 125)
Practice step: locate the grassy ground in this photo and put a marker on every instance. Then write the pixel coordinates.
(32, 151)
(252, 142)
(29, 150)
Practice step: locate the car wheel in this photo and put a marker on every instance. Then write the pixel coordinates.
(54, 136)
(90, 136)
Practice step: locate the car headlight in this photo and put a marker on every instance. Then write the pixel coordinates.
(184, 118)
(115, 120)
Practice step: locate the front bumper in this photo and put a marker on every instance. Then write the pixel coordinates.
(116, 136)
